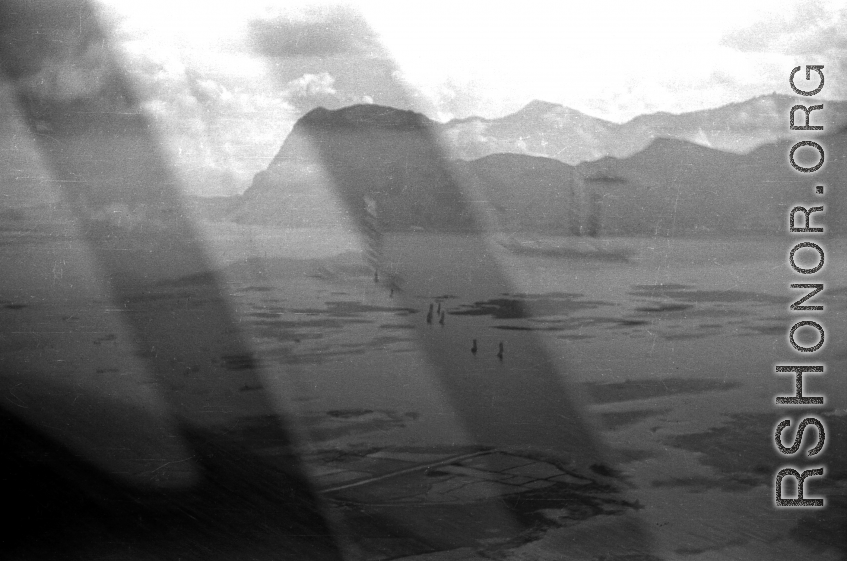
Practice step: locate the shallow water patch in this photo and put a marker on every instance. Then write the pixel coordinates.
(523, 306)
(628, 390)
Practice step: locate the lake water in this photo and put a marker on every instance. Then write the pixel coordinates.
(661, 365)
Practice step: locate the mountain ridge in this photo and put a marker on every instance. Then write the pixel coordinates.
(671, 187)
(546, 129)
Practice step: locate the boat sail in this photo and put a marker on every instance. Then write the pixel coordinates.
(584, 225)
(373, 236)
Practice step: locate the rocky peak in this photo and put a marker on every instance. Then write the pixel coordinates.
(364, 116)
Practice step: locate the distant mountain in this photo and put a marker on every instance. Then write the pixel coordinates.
(390, 158)
(524, 193)
(674, 188)
(554, 131)
(360, 153)
(539, 129)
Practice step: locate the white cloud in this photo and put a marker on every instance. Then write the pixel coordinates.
(311, 85)
(611, 59)
(217, 134)
(218, 105)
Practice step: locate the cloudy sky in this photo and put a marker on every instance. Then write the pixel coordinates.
(225, 81)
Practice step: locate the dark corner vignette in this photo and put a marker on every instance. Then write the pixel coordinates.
(806, 257)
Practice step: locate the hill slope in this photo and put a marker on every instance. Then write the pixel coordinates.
(389, 158)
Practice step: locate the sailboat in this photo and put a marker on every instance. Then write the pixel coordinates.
(584, 225)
